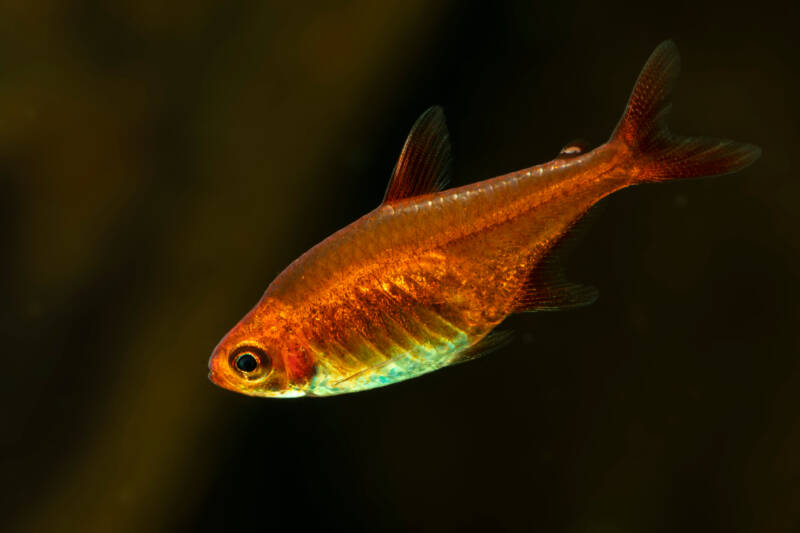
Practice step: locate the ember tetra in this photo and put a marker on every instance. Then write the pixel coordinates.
(420, 282)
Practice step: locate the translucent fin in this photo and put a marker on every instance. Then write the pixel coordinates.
(425, 164)
(550, 291)
(490, 343)
(643, 128)
(547, 288)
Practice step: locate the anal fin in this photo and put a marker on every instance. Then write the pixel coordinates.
(547, 288)
(549, 293)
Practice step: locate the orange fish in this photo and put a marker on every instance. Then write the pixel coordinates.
(420, 282)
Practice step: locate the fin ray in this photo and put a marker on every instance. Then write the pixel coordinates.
(547, 288)
(425, 163)
(660, 154)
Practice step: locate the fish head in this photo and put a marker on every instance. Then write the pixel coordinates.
(261, 356)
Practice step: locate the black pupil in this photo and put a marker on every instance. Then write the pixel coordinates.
(246, 362)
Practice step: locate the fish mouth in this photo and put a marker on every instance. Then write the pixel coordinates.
(221, 380)
(216, 376)
(217, 379)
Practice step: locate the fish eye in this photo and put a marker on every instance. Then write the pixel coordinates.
(246, 362)
(251, 361)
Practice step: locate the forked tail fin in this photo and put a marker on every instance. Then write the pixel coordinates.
(658, 154)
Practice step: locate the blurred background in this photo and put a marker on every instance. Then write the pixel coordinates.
(161, 162)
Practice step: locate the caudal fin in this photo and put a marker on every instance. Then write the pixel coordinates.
(658, 154)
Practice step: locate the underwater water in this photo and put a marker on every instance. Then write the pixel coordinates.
(161, 164)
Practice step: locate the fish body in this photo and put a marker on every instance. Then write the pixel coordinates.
(417, 281)
(420, 282)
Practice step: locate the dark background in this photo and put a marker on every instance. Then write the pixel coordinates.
(161, 162)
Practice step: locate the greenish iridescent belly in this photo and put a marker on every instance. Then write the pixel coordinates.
(399, 365)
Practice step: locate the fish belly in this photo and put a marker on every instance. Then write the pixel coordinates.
(413, 317)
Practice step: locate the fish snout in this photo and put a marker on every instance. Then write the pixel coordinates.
(216, 374)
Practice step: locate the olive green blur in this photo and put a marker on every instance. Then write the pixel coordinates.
(161, 162)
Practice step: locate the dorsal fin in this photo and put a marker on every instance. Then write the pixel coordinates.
(425, 163)
(574, 148)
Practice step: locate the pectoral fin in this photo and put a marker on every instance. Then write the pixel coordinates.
(490, 343)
